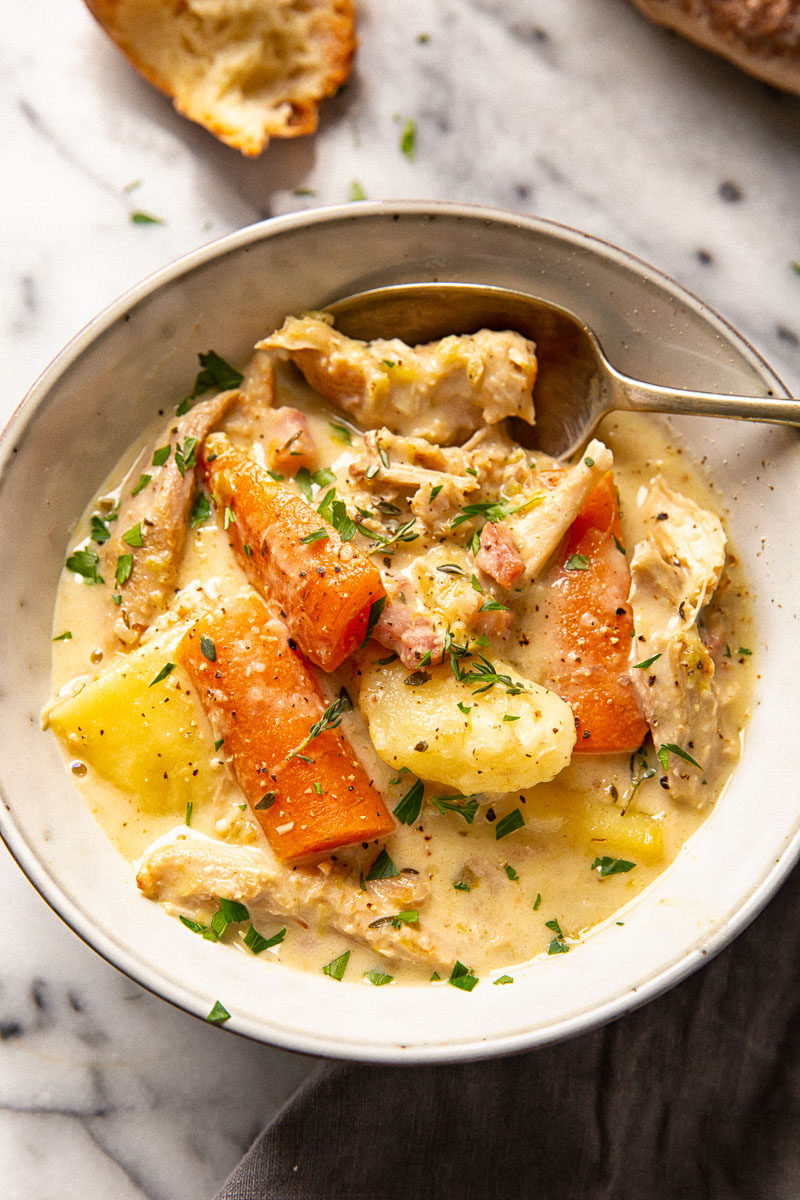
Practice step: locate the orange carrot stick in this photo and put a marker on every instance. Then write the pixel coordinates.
(263, 701)
(592, 628)
(323, 585)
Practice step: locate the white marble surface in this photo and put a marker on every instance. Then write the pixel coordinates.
(579, 111)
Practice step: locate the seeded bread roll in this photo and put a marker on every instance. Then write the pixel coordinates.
(247, 70)
(761, 36)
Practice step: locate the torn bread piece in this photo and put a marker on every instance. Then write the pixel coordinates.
(247, 70)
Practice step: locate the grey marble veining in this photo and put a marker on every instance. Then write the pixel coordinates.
(579, 111)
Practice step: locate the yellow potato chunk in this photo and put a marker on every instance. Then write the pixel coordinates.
(603, 829)
(150, 740)
(494, 742)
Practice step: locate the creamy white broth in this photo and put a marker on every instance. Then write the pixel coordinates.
(493, 901)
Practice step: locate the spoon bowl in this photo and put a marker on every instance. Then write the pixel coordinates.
(575, 386)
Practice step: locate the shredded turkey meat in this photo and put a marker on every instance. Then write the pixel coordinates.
(442, 391)
(188, 873)
(150, 530)
(674, 573)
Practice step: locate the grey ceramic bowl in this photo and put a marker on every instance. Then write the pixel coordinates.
(135, 358)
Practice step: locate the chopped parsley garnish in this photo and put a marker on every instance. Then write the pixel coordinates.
(435, 491)
(744, 650)
(143, 218)
(85, 563)
(142, 484)
(462, 977)
(208, 648)
(357, 193)
(382, 868)
(324, 477)
(493, 606)
(408, 809)
(476, 584)
(304, 481)
(466, 709)
(461, 886)
(492, 510)
(341, 522)
(589, 462)
(216, 373)
(511, 873)
(66, 636)
(123, 570)
(218, 744)
(512, 716)
(407, 917)
(99, 530)
(228, 517)
(453, 804)
(408, 139)
(330, 719)
(133, 536)
(668, 748)
(577, 562)
(318, 535)
(255, 942)
(377, 978)
(619, 544)
(201, 510)
(375, 610)
(336, 968)
(372, 470)
(611, 866)
(537, 902)
(266, 801)
(646, 662)
(503, 979)
(558, 944)
(509, 824)
(185, 454)
(166, 670)
(219, 1014)
(161, 455)
(187, 820)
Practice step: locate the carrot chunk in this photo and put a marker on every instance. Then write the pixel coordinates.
(592, 628)
(309, 793)
(323, 585)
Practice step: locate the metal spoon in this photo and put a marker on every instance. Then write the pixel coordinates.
(576, 385)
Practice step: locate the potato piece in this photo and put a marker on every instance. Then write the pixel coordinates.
(603, 829)
(150, 740)
(415, 722)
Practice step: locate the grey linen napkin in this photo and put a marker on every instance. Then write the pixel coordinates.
(695, 1096)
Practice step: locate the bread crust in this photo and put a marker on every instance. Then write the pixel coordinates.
(246, 70)
(760, 36)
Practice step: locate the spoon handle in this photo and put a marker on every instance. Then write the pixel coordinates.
(633, 395)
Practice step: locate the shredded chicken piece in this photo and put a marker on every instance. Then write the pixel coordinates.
(674, 573)
(188, 872)
(160, 509)
(442, 391)
(537, 533)
(435, 481)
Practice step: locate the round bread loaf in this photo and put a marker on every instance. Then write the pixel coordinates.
(247, 70)
(761, 36)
